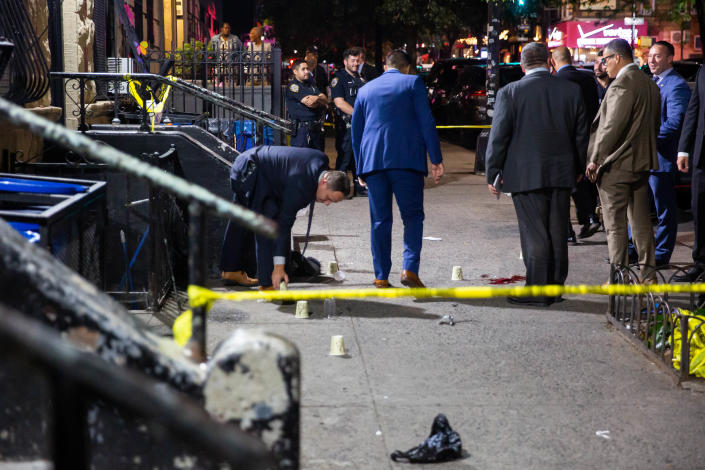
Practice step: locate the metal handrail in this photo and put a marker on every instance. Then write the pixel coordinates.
(89, 375)
(181, 188)
(209, 96)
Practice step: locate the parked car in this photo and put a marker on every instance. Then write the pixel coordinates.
(458, 95)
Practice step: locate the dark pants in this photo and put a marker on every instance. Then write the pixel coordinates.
(697, 203)
(308, 137)
(543, 217)
(339, 136)
(407, 187)
(347, 162)
(240, 244)
(585, 198)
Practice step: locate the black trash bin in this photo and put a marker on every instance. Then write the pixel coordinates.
(480, 151)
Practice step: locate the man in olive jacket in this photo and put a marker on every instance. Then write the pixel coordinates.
(622, 151)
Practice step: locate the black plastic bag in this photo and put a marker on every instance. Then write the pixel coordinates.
(303, 266)
(442, 445)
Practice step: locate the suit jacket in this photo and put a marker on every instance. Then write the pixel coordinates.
(287, 175)
(392, 125)
(675, 94)
(368, 72)
(586, 81)
(691, 140)
(623, 134)
(538, 137)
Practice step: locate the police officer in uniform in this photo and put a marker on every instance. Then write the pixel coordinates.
(344, 88)
(318, 72)
(307, 108)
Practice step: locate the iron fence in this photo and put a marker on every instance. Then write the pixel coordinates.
(186, 103)
(663, 325)
(252, 76)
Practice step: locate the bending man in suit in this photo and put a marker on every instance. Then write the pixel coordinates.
(537, 146)
(622, 152)
(392, 130)
(690, 155)
(585, 194)
(675, 94)
(276, 182)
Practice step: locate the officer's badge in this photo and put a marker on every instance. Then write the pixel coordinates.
(334, 82)
(294, 88)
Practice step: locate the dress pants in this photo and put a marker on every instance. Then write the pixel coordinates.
(585, 198)
(239, 243)
(697, 204)
(407, 188)
(543, 217)
(625, 200)
(347, 162)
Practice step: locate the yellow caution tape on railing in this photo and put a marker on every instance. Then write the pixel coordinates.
(202, 297)
(469, 126)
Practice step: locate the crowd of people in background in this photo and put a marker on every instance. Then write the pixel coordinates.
(612, 139)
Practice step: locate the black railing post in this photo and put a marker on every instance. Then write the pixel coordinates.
(277, 89)
(70, 436)
(685, 348)
(197, 276)
(82, 104)
(610, 303)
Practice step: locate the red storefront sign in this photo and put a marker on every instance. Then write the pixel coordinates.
(587, 34)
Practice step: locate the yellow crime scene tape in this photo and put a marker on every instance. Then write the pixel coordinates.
(202, 297)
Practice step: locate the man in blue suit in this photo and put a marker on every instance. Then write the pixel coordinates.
(276, 182)
(392, 130)
(675, 95)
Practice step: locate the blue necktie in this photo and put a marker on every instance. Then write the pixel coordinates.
(656, 78)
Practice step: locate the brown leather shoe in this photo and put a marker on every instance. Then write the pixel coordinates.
(239, 278)
(411, 279)
(382, 283)
(262, 288)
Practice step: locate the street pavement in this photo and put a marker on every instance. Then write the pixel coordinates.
(525, 388)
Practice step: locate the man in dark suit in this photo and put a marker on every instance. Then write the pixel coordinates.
(675, 94)
(690, 155)
(276, 182)
(537, 149)
(585, 194)
(367, 72)
(392, 130)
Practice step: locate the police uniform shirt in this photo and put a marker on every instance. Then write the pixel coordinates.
(345, 86)
(295, 92)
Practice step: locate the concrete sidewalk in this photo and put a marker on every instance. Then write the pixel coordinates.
(525, 388)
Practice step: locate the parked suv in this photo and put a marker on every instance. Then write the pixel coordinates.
(458, 95)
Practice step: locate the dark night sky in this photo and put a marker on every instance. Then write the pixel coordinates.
(240, 14)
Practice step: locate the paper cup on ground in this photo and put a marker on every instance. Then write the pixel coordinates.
(457, 273)
(337, 348)
(332, 267)
(302, 309)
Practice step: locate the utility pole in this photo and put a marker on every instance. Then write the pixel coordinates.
(492, 56)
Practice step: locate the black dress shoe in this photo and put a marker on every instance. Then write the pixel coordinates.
(360, 192)
(531, 301)
(588, 230)
(690, 275)
(571, 238)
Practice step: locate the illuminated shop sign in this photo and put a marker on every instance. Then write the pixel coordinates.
(587, 34)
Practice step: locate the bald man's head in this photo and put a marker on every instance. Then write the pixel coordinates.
(561, 56)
